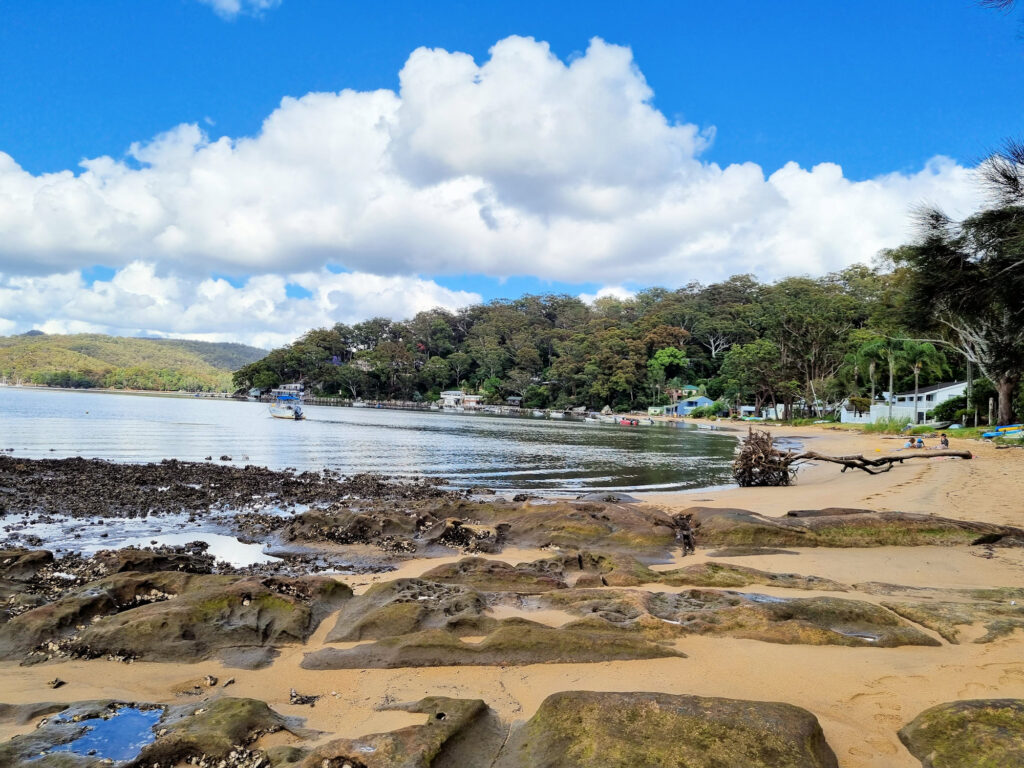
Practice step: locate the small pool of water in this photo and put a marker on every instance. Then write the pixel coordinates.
(119, 738)
(222, 547)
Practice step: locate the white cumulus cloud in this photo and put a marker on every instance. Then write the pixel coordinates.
(608, 291)
(137, 300)
(520, 165)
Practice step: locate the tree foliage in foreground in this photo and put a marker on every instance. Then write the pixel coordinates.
(970, 276)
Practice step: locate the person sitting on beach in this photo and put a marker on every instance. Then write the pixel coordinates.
(909, 443)
(943, 441)
(920, 443)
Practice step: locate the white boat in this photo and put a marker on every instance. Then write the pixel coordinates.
(539, 414)
(557, 414)
(358, 404)
(287, 402)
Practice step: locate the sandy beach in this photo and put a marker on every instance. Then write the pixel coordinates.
(861, 696)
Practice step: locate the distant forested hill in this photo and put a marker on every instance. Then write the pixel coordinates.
(94, 360)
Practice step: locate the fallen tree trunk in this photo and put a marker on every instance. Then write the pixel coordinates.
(759, 462)
(878, 464)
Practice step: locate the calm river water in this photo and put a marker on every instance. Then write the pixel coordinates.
(470, 450)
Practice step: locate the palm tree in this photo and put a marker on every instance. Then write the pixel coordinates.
(888, 351)
(922, 357)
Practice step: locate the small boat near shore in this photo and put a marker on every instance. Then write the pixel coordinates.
(287, 402)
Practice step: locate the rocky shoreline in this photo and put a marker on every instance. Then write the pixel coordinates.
(610, 583)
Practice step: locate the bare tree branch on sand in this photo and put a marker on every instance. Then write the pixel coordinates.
(760, 463)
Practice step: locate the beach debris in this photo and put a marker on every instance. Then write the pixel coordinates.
(229, 681)
(300, 699)
(685, 533)
(760, 463)
(56, 682)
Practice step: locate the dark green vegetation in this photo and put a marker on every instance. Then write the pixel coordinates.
(94, 360)
(741, 340)
(981, 733)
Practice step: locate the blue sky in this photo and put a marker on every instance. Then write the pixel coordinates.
(878, 88)
(875, 86)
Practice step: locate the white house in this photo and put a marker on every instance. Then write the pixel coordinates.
(903, 406)
(452, 398)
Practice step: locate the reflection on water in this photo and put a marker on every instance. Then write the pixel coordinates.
(119, 737)
(501, 452)
(223, 548)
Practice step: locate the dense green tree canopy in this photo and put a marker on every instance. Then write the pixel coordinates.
(801, 344)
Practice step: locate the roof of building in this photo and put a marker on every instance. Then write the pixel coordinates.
(932, 388)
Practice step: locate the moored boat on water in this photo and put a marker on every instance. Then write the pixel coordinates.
(287, 402)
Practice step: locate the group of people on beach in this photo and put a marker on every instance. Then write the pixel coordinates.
(919, 443)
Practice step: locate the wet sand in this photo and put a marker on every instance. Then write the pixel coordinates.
(861, 696)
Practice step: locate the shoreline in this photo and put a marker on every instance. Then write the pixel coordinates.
(860, 695)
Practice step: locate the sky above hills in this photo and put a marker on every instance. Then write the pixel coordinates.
(246, 169)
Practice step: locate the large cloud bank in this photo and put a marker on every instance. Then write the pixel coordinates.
(521, 165)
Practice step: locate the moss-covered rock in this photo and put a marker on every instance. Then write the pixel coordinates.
(835, 528)
(18, 569)
(403, 606)
(812, 621)
(1001, 611)
(174, 616)
(514, 642)
(581, 729)
(725, 575)
(980, 733)
(498, 576)
(450, 725)
(23, 564)
(213, 730)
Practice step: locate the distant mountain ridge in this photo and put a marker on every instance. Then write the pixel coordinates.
(121, 362)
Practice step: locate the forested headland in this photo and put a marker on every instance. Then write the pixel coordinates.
(741, 341)
(117, 362)
(948, 304)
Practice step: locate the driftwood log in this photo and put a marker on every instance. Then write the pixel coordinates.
(759, 462)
